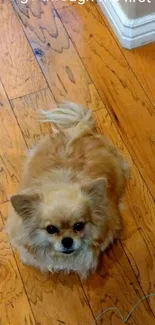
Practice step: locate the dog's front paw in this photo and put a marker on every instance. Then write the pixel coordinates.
(25, 260)
(108, 241)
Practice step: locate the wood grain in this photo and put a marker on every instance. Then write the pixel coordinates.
(124, 97)
(12, 148)
(139, 210)
(14, 305)
(138, 236)
(141, 61)
(24, 109)
(19, 70)
(116, 286)
(71, 63)
(55, 53)
(27, 109)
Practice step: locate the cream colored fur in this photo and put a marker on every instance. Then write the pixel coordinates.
(73, 175)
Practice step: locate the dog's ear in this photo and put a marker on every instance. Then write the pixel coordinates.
(96, 189)
(24, 204)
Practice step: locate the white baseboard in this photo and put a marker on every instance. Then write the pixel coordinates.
(131, 33)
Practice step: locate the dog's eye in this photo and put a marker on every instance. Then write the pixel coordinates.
(52, 229)
(79, 226)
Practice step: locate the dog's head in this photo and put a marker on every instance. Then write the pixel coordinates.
(63, 218)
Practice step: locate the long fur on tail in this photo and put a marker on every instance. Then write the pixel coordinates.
(68, 115)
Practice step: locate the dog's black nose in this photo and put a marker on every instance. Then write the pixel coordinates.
(67, 242)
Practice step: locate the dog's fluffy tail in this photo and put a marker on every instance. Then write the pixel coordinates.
(68, 115)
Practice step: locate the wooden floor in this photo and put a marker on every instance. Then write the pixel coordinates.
(55, 50)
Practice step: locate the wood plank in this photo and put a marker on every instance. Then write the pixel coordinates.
(23, 109)
(26, 111)
(118, 87)
(55, 53)
(141, 61)
(14, 305)
(12, 148)
(138, 215)
(117, 280)
(116, 287)
(20, 72)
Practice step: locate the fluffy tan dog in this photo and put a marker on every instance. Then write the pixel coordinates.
(67, 209)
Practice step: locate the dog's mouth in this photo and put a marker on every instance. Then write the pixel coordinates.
(67, 252)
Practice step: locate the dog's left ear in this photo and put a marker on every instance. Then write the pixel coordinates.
(96, 189)
(24, 204)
